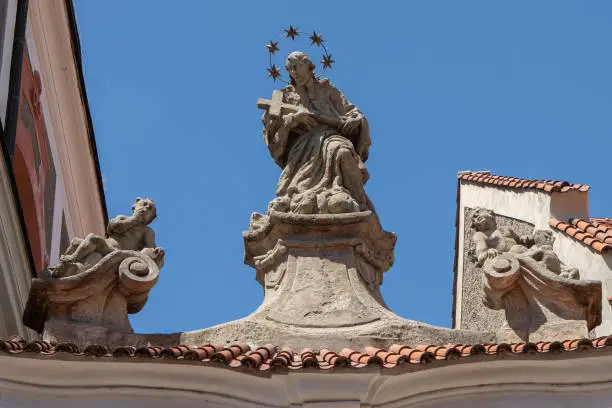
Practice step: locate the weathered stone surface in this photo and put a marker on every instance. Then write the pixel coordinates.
(538, 304)
(320, 271)
(474, 314)
(320, 252)
(98, 282)
(525, 278)
(321, 142)
(389, 330)
(321, 276)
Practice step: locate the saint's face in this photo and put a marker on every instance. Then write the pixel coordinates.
(301, 73)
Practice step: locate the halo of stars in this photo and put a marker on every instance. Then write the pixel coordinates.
(291, 33)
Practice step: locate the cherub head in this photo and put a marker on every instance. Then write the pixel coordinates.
(144, 208)
(543, 237)
(300, 68)
(483, 219)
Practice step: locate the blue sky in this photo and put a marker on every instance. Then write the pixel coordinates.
(521, 88)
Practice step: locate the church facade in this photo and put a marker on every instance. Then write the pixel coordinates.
(49, 173)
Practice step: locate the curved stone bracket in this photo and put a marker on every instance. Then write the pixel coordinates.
(101, 295)
(537, 302)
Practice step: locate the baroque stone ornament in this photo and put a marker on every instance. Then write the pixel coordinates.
(321, 277)
(320, 251)
(321, 142)
(321, 271)
(542, 298)
(98, 281)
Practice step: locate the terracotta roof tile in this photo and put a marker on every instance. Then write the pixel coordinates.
(549, 186)
(271, 357)
(359, 359)
(593, 232)
(491, 348)
(413, 355)
(441, 352)
(524, 348)
(94, 350)
(602, 342)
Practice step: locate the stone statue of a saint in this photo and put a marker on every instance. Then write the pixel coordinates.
(321, 142)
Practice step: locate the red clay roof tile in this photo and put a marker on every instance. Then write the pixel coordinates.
(596, 233)
(271, 357)
(549, 186)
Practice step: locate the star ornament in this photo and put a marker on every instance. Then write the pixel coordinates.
(327, 61)
(291, 32)
(272, 47)
(317, 39)
(274, 72)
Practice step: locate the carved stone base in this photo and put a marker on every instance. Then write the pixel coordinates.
(97, 299)
(321, 276)
(539, 305)
(322, 271)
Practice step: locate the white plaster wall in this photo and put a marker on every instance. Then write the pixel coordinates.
(526, 205)
(581, 379)
(601, 399)
(592, 265)
(542, 399)
(572, 204)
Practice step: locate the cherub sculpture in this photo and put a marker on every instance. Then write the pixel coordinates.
(524, 277)
(542, 251)
(492, 240)
(123, 233)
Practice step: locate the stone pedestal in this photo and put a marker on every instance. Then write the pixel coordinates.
(321, 276)
(92, 306)
(320, 271)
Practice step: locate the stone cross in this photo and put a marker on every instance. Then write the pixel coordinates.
(276, 107)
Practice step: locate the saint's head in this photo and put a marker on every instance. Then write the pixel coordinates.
(300, 68)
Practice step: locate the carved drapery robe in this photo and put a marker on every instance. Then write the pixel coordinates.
(323, 170)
